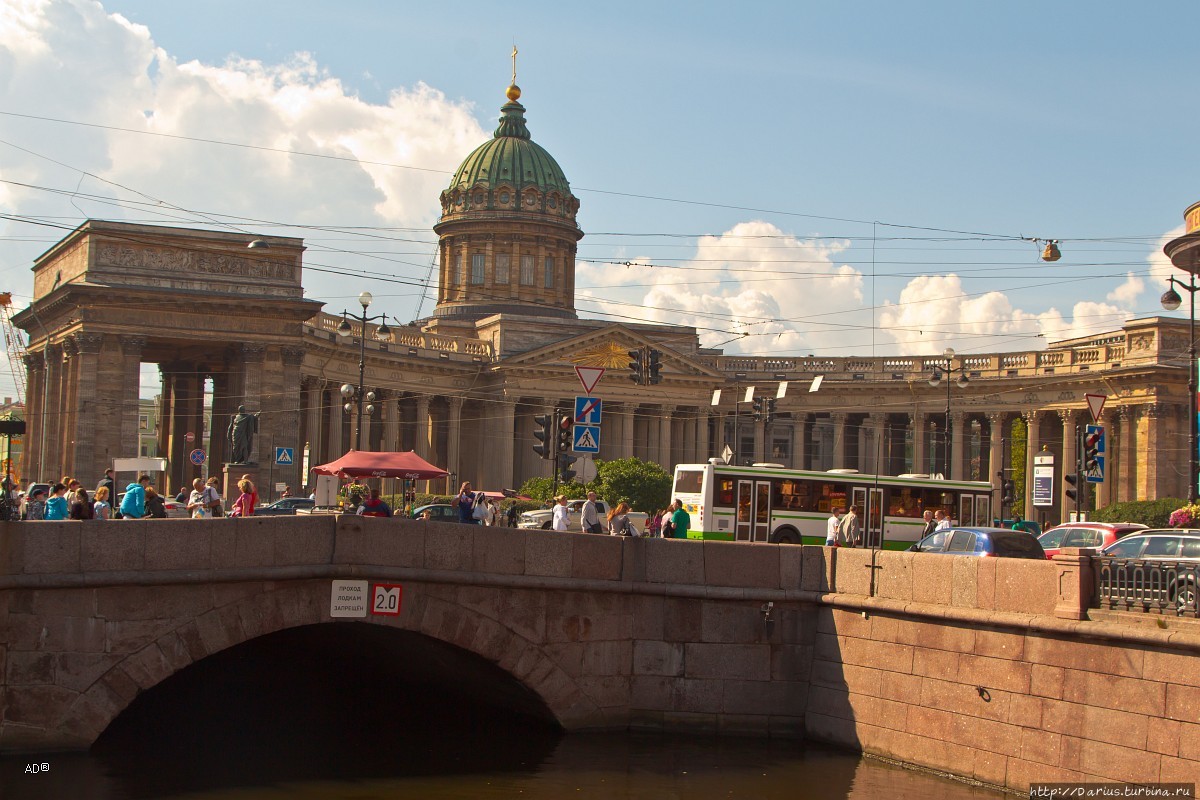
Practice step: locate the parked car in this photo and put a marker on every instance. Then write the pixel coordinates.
(438, 512)
(1153, 568)
(1085, 534)
(283, 506)
(983, 542)
(543, 518)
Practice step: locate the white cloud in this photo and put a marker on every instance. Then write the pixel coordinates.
(935, 312)
(69, 59)
(753, 279)
(1127, 292)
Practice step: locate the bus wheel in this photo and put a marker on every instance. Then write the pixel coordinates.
(787, 536)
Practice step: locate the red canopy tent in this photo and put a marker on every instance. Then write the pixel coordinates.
(367, 464)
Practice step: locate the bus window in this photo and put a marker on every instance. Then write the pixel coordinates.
(826, 497)
(904, 501)
(723, 491)
(688, 481)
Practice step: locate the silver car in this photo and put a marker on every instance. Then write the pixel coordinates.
(1153, 569)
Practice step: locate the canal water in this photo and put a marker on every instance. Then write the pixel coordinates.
(586, 766)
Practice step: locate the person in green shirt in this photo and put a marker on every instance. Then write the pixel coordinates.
(680, 520)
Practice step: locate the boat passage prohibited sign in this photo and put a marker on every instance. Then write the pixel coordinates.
(348, 599)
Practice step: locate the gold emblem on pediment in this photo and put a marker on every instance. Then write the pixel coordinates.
(609, 355)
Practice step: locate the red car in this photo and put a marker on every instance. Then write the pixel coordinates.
(1085, 534)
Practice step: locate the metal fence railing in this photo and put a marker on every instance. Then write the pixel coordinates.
(1152, 585)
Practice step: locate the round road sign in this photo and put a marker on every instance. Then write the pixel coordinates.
(189, 436)
(197, 457)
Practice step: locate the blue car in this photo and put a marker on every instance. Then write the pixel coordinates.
(981, 542)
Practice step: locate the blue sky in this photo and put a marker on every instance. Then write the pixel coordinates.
(841, 178)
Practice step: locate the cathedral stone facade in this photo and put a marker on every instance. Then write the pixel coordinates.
(462, 387)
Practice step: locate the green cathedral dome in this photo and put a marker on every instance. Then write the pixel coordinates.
(511, 159)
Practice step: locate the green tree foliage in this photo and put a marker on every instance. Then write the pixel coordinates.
(1017, 446)
(542, 489)
(1153, 513)
(645, 485)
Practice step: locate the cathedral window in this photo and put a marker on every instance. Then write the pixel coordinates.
(549, 272)
(477, 269)
(527, 270)
(502, 262)
(457, 277)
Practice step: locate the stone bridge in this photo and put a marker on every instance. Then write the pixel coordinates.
(985, 668)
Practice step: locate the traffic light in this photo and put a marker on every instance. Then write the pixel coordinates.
(637, 367)
(771, 401)
(1091, 451)
(757, 405)
(565, 442)
(1009, 490)
(543, 431)
(565, 462)
(653, 367)
(1072, 480)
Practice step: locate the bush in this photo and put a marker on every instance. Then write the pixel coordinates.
(1154, 513)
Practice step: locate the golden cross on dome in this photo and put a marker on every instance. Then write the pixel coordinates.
(514, 58)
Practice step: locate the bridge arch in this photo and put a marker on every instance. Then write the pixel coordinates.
(472, 619)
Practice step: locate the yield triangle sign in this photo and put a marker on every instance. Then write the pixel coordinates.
(1096, 405)
(589, 377)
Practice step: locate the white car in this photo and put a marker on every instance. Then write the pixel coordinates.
(543, 518)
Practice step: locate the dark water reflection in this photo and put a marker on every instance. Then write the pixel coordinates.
(617, 766)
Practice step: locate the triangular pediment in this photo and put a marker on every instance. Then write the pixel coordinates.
(606, 347)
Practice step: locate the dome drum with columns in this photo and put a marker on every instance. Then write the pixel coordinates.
(507, 234)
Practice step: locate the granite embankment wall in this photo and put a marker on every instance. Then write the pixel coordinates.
(984, 668)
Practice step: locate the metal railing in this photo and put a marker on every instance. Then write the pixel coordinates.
(1148, 585)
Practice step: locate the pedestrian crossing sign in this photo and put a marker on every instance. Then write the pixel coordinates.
(586, 439)
(284, 456)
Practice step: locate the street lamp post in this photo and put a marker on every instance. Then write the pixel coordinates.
(1171, 301)
(384, 334)
(935, 380)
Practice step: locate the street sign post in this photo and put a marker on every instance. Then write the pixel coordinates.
(586, 439)
(1094, 443)
(587, 410)
(589, 377)
(1043, 480)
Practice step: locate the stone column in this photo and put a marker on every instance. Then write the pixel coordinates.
(665, 420)
(287, 422)
(958, 453)
(1069, 464)
(1033, 445)
(454, 440)
(997, 431)
(1104, 489)
(703, 425)
(389, 412)
(507, 445)
(423, 426)
(334, 448)
(627, 421)
(312, 422)
(89, 453)
(1151, 481)
(1126, 481)
(131, 377)
(69, 405)
(916, 423)
(877, 462)
(52, 458)
(35, 409)
(838, 418)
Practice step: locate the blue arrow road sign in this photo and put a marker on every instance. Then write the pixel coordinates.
(586, 439)
(587, 410)
(284, 456)
(1095, 468)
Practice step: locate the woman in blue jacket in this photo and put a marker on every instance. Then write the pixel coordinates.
(56, 506)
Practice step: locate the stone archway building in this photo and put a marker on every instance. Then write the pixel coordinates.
(462, 387)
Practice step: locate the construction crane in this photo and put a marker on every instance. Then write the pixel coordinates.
(14, 345)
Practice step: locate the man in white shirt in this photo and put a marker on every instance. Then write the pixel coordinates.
(943, 522)
(562, 516)
(831, 528)
(589, 517)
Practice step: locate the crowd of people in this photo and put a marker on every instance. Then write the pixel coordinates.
(68, 500)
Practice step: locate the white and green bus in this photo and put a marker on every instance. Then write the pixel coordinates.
(770, 503)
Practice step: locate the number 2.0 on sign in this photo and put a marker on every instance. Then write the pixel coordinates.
(386, 598)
